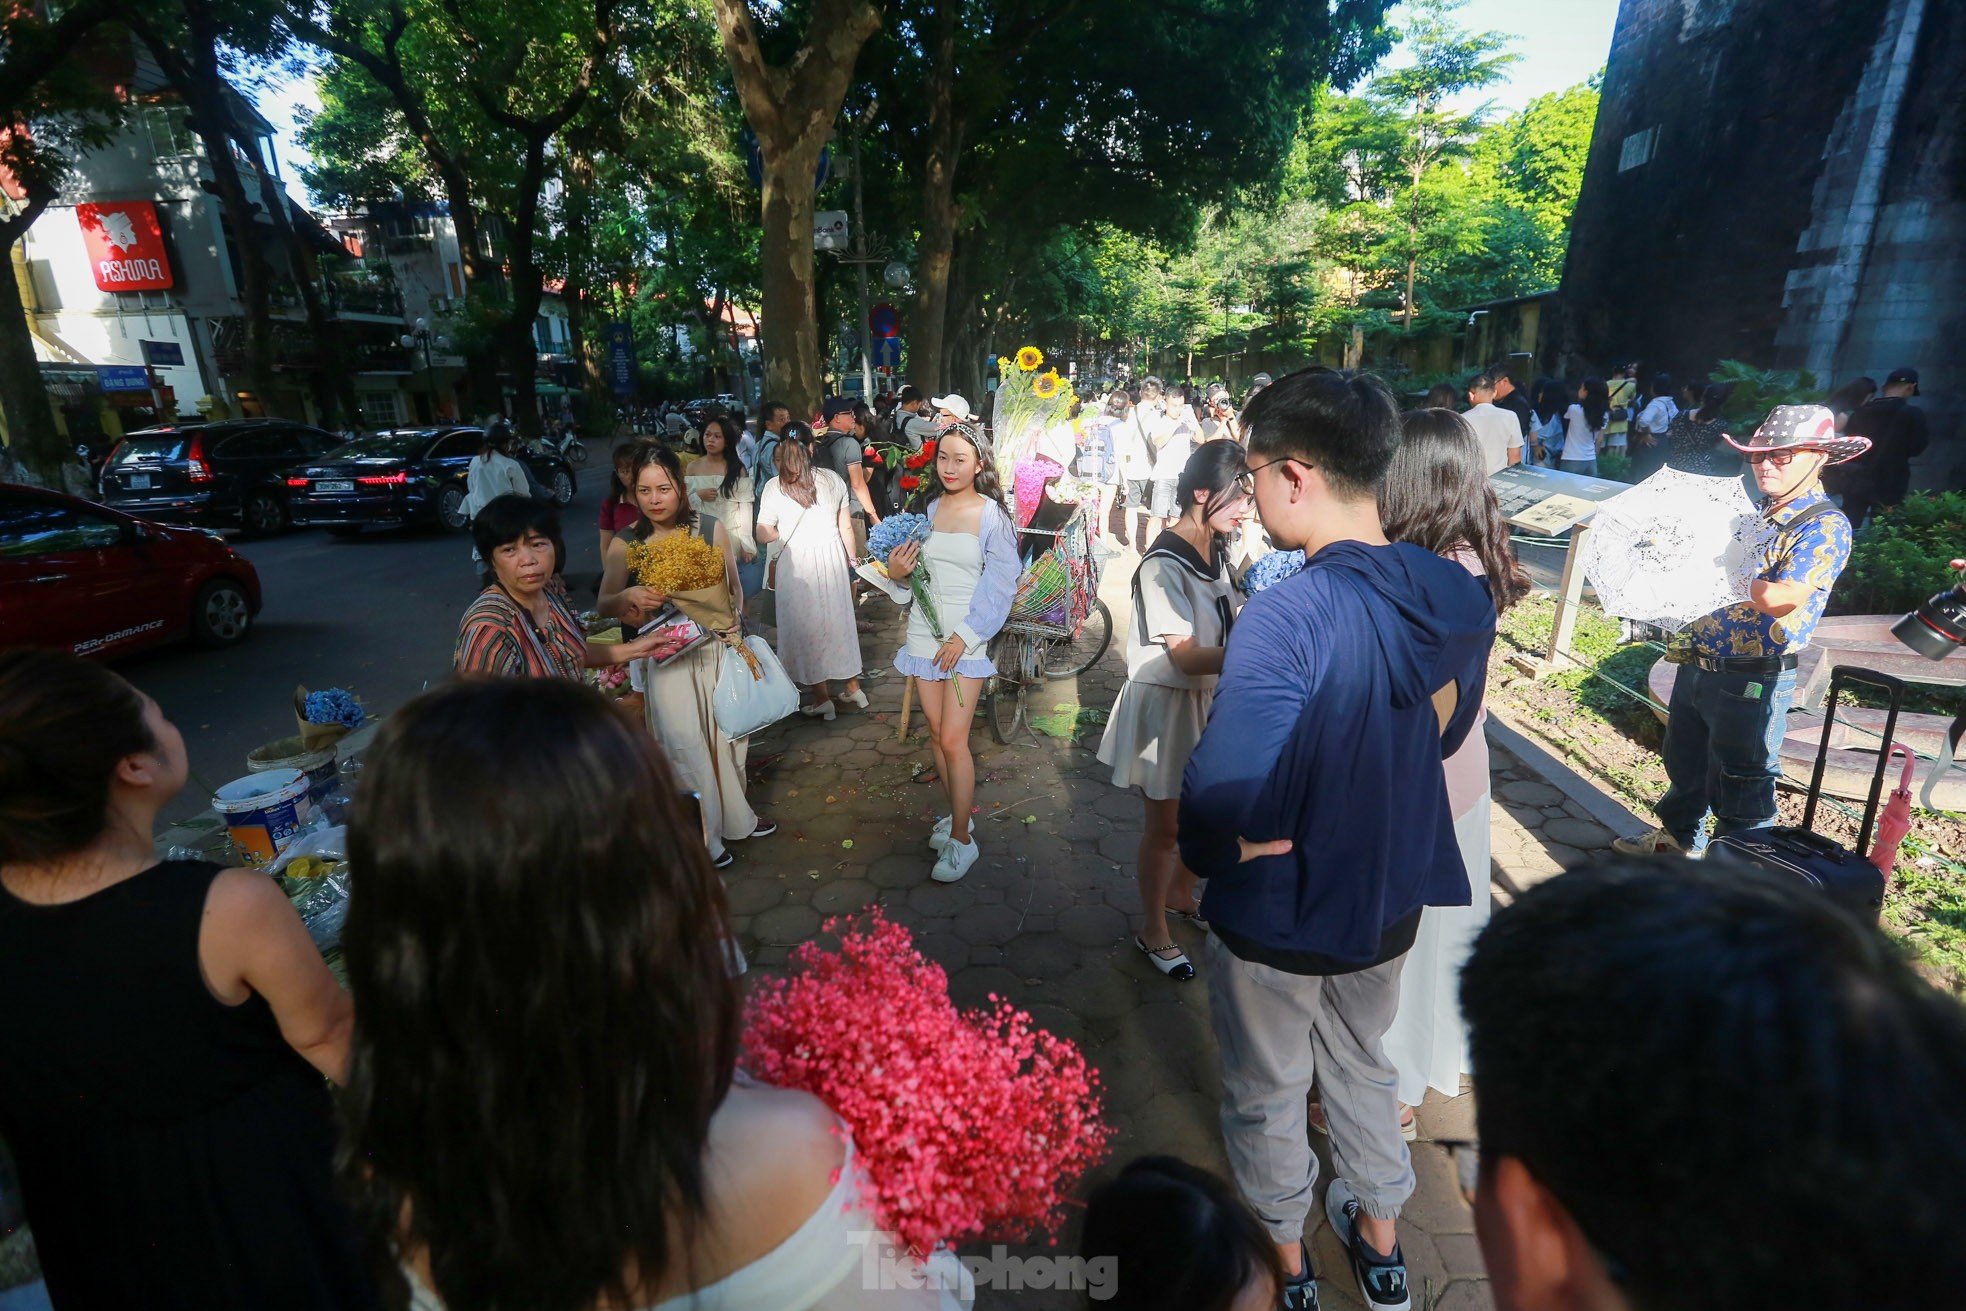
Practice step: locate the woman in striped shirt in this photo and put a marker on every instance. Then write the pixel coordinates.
(521, 626)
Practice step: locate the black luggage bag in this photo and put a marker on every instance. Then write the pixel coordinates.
(1846, 877)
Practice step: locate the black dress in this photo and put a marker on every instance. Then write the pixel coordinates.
(174, 1151)
(1698, 448)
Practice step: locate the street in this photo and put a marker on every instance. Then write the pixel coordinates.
(375, 614)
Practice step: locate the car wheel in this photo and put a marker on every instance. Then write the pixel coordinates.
(221, 615)
(450, 509)
(263, 515)
(562, 487)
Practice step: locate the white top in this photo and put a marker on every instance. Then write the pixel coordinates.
(1658, 416)
(1176, 433)
(1136, 458)
(706, 498)
(490, 477)
(1579, 440)
(1175, 596)
(1498, 431)
(820, 1267)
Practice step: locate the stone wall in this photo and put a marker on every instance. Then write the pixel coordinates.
(1782, 182)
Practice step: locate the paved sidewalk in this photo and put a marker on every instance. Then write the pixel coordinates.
(1045, 919)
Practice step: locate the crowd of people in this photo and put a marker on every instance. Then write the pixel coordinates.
(540, 1099)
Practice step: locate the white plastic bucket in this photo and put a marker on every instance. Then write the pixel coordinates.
(323, 768)
(263, 812)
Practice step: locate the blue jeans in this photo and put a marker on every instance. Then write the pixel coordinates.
(1588, 468)
(1723, 751)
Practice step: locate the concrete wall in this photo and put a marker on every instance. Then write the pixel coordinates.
(1781, 182)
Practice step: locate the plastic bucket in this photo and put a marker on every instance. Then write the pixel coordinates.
(323, 767)
(264, 812)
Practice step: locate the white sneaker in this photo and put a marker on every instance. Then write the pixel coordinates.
(954, 862)
(823, 710)
(938, 837)
(1654, 843)
(857, 699)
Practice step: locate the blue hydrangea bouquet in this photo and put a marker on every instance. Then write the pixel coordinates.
(1271, 570)
(326, 716)
(882, 540)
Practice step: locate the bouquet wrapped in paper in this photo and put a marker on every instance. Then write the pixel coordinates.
(326, 717)
(968, 1123)
(1029, 400)
(690, 572)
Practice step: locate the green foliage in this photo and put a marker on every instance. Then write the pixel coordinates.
(1617, 468)
(1901, 556)
(1757, 391)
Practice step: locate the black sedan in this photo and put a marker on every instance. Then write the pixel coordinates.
(404, 476)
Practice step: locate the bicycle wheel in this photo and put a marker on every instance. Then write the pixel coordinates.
(1064, 659)
(1003, 706)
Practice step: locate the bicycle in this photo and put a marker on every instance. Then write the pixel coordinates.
(1058, 628)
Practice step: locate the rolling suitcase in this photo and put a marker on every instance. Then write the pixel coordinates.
(1847, 877)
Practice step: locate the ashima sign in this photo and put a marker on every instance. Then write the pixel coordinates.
(126, 245)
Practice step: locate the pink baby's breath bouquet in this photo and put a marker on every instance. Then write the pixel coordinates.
(968, 1123)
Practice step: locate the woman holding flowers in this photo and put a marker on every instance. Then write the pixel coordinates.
(680, 691)
(805, 510)
(970, 557)
(1183, 604)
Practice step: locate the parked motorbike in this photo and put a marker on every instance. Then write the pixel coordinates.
(567, 445)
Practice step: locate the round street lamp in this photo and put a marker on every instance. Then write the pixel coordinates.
(895, 274)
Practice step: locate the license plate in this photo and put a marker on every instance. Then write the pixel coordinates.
(139, 482)
(335, 485)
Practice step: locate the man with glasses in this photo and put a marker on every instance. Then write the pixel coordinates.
(1316, 807)
(1730, 700)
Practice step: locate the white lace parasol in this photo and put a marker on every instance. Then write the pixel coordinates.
(1675, 547)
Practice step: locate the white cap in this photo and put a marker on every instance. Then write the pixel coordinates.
(954, 404)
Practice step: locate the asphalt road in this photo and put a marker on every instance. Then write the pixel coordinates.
(375, 614)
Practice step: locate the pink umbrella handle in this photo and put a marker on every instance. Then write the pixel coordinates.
(1895, 822)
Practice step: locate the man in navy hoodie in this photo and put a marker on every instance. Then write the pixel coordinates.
(1316, 807)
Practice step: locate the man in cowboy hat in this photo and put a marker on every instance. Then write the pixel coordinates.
(1730, 700)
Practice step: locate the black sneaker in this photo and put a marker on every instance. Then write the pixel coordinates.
(1381, 1279)
(1300, 1294)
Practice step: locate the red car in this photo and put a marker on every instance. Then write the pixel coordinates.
(97, 582)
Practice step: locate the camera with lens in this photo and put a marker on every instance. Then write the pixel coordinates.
(1937, 627)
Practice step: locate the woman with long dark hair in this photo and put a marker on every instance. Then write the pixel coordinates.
(543, 1110)
(973, 567)
(1183, 604)
(169, 1030)
(618, 512)
(680, 692)
(1436, 495)
(720, 489)
(804, 511)
(1583, 427)
(1697, 440)
(1546, 406)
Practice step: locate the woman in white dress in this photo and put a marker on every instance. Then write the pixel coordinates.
(1436, 495)
(973, 568)
(1183, 604)
(477, 949)
(804, 510)
(679, 694)
(720, 489)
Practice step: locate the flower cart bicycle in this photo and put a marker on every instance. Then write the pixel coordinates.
(1058, 627)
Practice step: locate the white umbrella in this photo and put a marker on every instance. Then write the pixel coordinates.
(1675, 547)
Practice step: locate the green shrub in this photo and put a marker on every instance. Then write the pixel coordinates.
(1617, 468)
(1757, 391)
(1900, 557)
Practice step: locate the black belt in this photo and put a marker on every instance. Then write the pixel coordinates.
(1765, 665)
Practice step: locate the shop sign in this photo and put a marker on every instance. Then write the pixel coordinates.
(126, 245)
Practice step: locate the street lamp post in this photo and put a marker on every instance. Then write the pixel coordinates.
(420, 335)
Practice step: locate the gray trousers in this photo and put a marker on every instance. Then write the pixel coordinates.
(1275, 1032)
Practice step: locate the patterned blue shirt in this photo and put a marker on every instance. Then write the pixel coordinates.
(1813, 554)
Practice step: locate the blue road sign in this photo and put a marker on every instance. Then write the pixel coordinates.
(122, 377)
(886, 352)
(162, 353)
(621, 359)
(754, 161)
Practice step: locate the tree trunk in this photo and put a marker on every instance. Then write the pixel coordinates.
(333, 382)
(194, 72)
(597, 408)
(791, 109)
(936, 249)
(33, 438)
(528, 289)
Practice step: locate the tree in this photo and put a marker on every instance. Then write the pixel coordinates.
(51, 107)
(1448, 61)
(791, 104)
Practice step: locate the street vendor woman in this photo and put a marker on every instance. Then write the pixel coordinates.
(1730, 699)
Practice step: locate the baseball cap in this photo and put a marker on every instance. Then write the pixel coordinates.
(836, 405)
(1904, 375)
(954, 403)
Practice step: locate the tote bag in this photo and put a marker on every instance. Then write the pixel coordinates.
(748, 699)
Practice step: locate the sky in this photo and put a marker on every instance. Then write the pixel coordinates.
(1561, 42)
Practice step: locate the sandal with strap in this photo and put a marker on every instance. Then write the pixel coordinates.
(1176, 967)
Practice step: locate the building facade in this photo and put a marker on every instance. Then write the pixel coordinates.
(1781, 182)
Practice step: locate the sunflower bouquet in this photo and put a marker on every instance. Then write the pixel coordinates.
(1029, 399)
(690, 572)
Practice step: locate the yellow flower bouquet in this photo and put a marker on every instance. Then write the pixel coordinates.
(690, 572)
